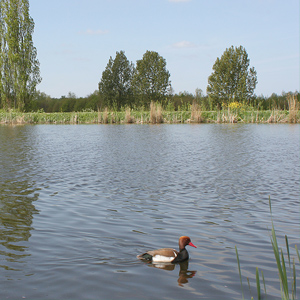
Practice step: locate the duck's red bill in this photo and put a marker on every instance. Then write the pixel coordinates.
(191, 244)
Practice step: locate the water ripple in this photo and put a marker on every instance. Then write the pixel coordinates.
(78, 203)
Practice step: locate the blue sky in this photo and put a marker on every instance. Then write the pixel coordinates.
(75, 38)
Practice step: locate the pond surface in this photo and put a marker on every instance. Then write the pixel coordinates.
(78, 203)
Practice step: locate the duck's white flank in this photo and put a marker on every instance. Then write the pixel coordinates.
(161, 258)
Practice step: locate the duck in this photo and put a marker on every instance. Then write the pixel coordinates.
(169, 255)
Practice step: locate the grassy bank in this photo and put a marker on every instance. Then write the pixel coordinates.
(152, 116)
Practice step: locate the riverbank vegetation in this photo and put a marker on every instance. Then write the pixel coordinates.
(157, 113)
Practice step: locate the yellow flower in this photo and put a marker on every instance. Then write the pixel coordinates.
(234, 105)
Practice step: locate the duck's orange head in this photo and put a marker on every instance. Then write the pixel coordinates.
(185, 241)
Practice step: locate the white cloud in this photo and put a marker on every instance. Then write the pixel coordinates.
(183, 44)
(94, 32)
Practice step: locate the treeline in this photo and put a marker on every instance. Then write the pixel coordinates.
(124, 84)
(174, 102)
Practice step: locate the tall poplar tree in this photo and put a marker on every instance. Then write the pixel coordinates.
(19, 66)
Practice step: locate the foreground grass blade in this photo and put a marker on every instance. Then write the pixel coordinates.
(284, 278)
(294, 280)
(257, 284)
(280, 264)
(249, 286)
(288, 250)
(298, 254)
(263, 279)
(238, 261)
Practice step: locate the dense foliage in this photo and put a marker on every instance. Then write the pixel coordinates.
(115, 86)
(151, 80)
(177, 102)
(19, 67)
(232, 80)
(122, 84)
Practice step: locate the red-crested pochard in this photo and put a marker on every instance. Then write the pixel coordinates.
(169, 254)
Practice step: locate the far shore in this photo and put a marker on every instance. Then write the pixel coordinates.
(150, 117)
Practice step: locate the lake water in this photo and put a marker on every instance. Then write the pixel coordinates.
(79, 202)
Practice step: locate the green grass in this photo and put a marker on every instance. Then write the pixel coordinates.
(287, 280)
(281, 265)
(145, 116)
(240, 273)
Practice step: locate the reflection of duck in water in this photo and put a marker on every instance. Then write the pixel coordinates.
(184, 274)
(168, 254)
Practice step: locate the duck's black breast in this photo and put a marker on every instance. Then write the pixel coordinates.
(182, 256)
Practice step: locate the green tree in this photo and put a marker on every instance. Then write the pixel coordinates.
(19, 67)
(151, 80)
(93, 101)
(232, 80)
(115, 85)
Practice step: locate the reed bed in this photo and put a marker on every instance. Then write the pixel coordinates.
(293, 108)
(155, 115)
(196, 113)
(287, 280)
